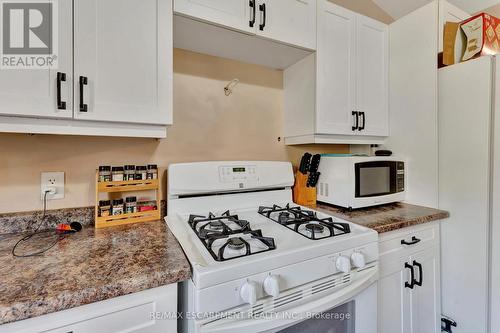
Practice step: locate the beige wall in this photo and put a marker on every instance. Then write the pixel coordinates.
(367, 8)
(207, 126)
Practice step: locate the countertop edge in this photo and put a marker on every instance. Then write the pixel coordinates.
(64, 300)
(387, 218)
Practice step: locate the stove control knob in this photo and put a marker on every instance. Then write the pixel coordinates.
(248, 292)
(343, 264)
(358, 260)
(272, 285)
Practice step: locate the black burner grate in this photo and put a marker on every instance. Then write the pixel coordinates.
(211, 228)
(298, 219)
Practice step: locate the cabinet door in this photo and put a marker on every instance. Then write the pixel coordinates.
(394, 298)
(425, 304)
(235, 14)
(372, 80)
(32, 92)
(124, 50)
(288, 21)
(335, 69)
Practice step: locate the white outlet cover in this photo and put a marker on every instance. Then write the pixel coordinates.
(52, 179)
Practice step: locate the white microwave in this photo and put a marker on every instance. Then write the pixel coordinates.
(356, 181)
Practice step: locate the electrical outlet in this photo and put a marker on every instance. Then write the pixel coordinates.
(53, 181)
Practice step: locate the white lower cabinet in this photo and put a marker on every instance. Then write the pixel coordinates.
(149, 311)
(409, 284)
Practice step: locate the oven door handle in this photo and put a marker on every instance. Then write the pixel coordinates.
(274, 322)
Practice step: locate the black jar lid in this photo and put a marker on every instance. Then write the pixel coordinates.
(117, 202)
(131, 199)
(117, 169)
(140, 167)
(104, 168)
(129, 167)
(104, 203)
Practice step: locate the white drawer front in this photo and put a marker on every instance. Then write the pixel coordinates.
(408, 241)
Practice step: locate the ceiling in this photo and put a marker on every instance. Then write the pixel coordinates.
(399, 8)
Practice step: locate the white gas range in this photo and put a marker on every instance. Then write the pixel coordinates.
(263, 264)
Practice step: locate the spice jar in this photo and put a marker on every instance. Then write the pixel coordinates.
(117, 173)
(117, 207)
(129, 173)
(152, 171)
(104, 208)
(104, 173)
(141, 172)
(130, 205)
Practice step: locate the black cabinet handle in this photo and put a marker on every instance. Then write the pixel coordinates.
(356, 122)
(362, 127)
(254, 8)
(61, 77)
(83, 82)
(262, 8)
(447, 324)
(414, 240)
(412, 276)
(420, 275)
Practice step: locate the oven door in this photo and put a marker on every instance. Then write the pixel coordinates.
(352, 309)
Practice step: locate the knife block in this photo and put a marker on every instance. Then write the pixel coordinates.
(303, 195)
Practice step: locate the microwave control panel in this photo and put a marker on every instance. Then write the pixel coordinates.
(400, 176)
(238, 174)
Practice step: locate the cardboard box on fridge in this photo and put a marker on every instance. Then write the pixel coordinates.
(471, 38)
(482, 33)
(454, 42)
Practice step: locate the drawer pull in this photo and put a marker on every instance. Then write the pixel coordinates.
(414, 240)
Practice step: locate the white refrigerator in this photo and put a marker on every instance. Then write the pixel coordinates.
(469, 188)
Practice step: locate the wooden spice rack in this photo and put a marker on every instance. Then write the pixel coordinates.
(127, 186)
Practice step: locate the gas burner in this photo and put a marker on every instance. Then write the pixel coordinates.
(314, 228)
(235, 243)
(216, 225)
(227, 237)
(305, 222)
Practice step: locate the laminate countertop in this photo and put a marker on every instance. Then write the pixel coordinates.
(85, 267)
(387, 217)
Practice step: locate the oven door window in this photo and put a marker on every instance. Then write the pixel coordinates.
(375, 178)
(338, 320)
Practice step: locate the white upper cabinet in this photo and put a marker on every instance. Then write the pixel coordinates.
(291, 22)
(234, 14)
(288, 21)
(336, 69)
(349, 99)
(33, 92)
(372, 68)
(123, 54)
(114, 75)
